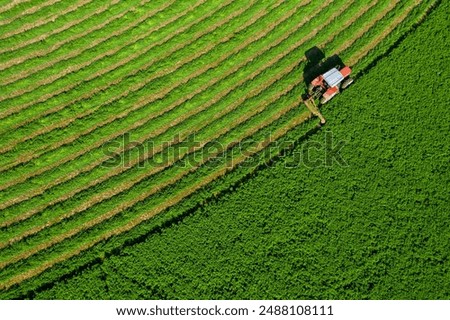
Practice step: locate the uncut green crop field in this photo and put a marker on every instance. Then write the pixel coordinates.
(79, 78)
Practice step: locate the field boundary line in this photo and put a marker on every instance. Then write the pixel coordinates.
(127, 204)
(180, 196)
(147, 174)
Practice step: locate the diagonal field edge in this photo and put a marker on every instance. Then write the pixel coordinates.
(293, 47)
(216, 80)
(293, 67)
(49, 264)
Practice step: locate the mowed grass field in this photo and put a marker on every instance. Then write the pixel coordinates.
(78, 76)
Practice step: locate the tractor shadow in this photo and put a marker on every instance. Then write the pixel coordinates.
(317, 64)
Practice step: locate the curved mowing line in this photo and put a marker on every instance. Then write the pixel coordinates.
(137, 87)
(293, 47)
(128, 226)
(108, 194)
(176, 122)
(31, 25)
(67, 26)
(105, 70)
(28, 11)
(181, 195)
(220, 114)
(74, 53)
(91, 223)
(12, 4)
(143, 102)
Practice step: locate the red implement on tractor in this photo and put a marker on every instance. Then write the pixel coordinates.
(329, 84)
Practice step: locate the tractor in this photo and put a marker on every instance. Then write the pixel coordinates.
(329, 84)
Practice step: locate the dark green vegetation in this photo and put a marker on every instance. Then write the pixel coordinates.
(225, 71)
(377, 228)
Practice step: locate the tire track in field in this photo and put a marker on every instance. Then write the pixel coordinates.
(134, 88)
(34, 24)
(108, 194)
(143, 102)
(27, 12)
(33, 272)
(69, 25)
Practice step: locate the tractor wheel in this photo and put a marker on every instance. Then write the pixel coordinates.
(324, 100)
(347, 83)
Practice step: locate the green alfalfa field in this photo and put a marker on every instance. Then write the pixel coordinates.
(76, 78)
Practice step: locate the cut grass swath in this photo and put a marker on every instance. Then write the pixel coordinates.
(25, 12)
(116, 229)
(154, 76)
(65, 27)
(271, 63)
(299, 81)
(42, 21)
(183, 100)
